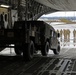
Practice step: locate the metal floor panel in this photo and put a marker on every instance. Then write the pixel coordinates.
(63, 64)
(13, 65)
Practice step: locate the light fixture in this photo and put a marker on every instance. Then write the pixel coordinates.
(5, 6)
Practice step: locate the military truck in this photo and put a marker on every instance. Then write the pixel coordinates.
(30, 36)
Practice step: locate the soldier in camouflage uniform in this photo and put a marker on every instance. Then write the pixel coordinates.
(74, 36)
(61, 32)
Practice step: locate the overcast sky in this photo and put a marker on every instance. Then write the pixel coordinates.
(61, 14)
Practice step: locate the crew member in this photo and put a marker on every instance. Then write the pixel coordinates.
(61, 32)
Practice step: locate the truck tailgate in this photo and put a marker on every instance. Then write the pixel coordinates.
(11, 36)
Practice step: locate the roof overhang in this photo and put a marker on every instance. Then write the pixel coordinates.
(67, 5)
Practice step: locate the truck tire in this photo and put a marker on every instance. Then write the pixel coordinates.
(56, 51)
(18, 51)
(45, 49)
(28, 51)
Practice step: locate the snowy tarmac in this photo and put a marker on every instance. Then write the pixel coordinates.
(66, 52)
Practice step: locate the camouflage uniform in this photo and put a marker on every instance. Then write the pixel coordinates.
(74, 36)
(68, 35)
(61, 32)
(65, 35)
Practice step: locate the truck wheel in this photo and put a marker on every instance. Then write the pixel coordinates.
(45, 49)
(28, 51)
(17, 51)
(57, 51)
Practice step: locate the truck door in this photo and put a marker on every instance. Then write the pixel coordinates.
(55, 40)
(51, 38)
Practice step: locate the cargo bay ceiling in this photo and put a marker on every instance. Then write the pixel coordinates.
(33, 9)
(67, 5)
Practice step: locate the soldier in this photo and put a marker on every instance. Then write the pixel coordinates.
(57, 31)
(65, 36)
(74, 36)
(68, 35)
(61, 32)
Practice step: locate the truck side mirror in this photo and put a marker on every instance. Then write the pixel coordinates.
(58, 34)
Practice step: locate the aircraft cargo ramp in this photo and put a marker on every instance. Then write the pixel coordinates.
(63, 64)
